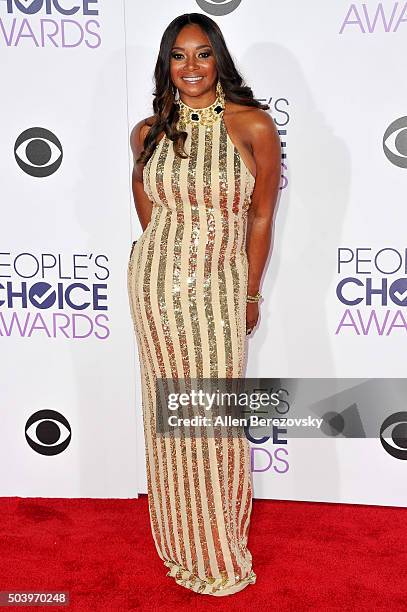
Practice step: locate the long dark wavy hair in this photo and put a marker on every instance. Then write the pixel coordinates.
(165, 110)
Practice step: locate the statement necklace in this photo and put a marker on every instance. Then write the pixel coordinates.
(204, 116)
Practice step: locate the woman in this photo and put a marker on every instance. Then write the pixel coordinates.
(205, 182)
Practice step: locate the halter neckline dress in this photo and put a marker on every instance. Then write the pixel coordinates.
(187, 285)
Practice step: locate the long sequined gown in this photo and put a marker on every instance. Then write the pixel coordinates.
(187, 283)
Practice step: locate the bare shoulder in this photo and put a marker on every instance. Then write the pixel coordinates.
(138, 134)
(256, 123)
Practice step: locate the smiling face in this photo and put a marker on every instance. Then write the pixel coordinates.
(193, 67)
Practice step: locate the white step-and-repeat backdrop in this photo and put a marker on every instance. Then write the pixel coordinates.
(67, 348)
(77, 75)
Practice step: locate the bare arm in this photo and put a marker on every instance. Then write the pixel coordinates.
(266, 149)
(267, 153)
(143, 205)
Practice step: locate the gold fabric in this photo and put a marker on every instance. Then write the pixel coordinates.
(187, 284)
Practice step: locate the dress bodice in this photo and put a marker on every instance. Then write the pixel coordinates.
(213, 177)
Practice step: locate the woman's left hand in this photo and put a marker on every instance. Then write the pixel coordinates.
(252, 315)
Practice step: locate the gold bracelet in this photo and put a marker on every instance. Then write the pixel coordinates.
(254, 298)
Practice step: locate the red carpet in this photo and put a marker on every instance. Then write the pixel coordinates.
(307, 556)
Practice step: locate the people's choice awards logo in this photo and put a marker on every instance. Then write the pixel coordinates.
(372, 291)
(218, 7)
(383, 17)
(48, 432)
(38, 152)
(51, 295)
(50, 23)
(395, 142)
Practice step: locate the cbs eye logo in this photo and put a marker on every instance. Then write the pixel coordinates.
(48, 432)
(397, 434)
(395, 142)
(38, 152)
(218, 7)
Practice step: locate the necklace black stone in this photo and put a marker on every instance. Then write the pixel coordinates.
(204, 116)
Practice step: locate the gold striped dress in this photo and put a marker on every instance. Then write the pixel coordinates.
(187, 284)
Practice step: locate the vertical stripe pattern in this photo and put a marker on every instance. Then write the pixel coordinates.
(187, 284)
